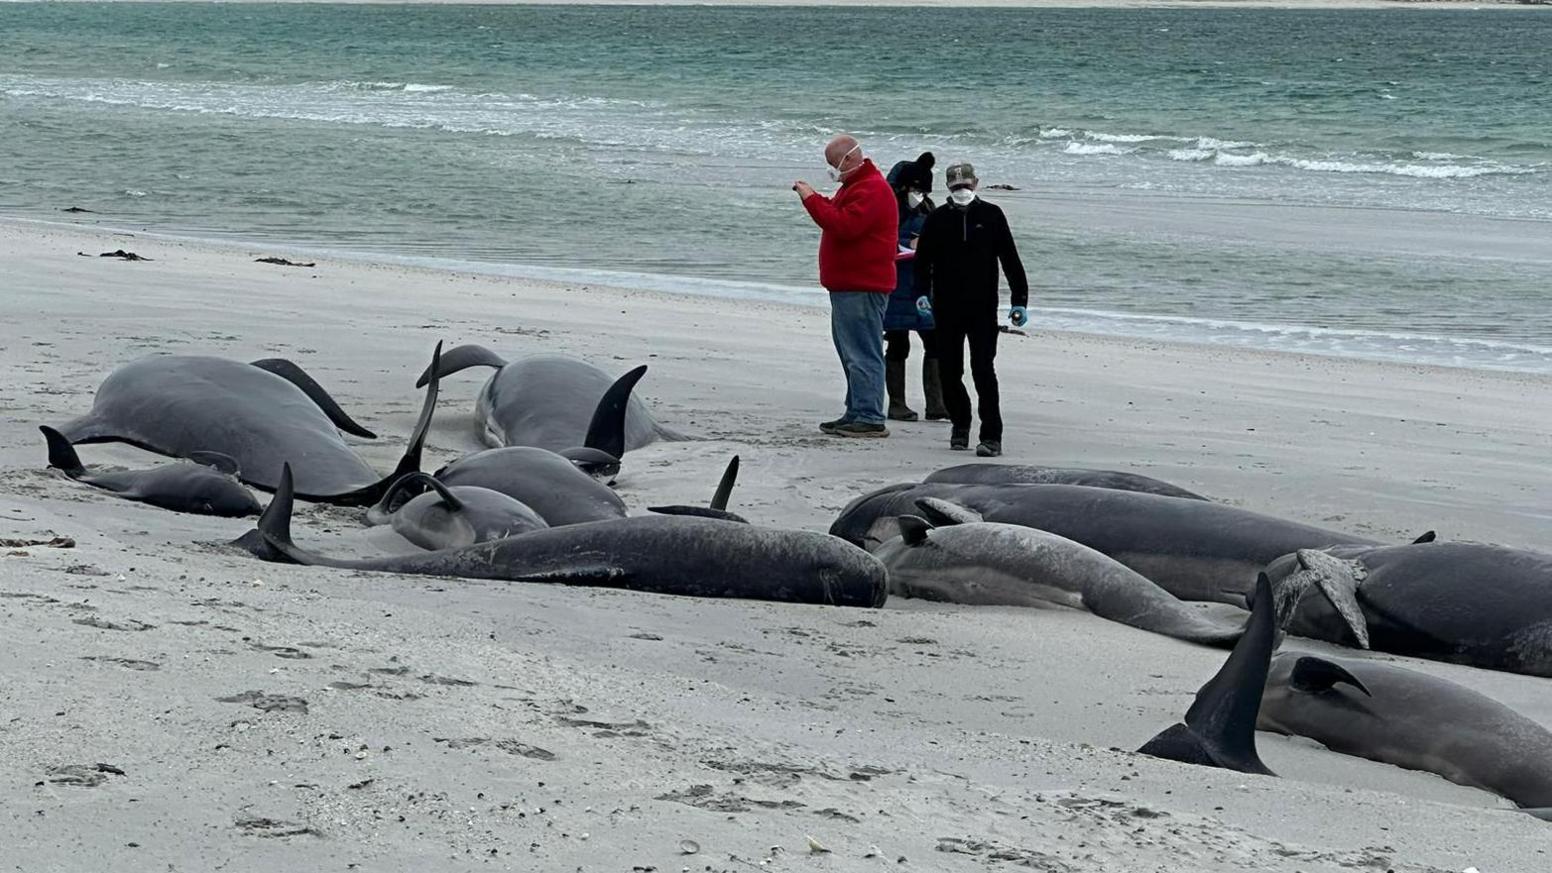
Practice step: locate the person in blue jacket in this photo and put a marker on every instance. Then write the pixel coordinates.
(912, 183)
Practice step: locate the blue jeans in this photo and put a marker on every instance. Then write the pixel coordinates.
(857, 327)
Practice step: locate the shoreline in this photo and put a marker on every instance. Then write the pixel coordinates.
(461, 725)
(1080, 322)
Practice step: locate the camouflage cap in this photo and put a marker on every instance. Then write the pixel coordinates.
(959, 174)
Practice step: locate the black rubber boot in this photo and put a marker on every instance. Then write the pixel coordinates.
(894, 384)
(932, 386)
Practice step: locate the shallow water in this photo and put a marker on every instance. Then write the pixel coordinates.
(1376, 183)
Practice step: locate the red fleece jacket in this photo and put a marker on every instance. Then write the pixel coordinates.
(859, 238)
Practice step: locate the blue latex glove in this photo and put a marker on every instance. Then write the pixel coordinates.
(1018, 315)
(924, 304)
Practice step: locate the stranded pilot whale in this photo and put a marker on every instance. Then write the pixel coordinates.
(1194, 549)
(982, 563)
(1027, 474)
(665, 554)
(208, 486)
(261, 415)
(1412, 720)
(1468, 603)
(545, 401)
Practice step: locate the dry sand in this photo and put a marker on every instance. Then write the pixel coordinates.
(457, 725)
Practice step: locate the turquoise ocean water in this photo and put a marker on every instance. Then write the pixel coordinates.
(1374, 183)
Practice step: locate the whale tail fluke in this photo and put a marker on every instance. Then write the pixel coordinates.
(1220, 727)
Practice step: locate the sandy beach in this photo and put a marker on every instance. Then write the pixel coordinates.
(472, 726)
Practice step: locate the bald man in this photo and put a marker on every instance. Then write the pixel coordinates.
(857, 245)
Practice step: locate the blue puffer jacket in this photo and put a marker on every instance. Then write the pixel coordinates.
(902, 313)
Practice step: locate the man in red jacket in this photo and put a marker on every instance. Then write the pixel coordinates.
(857, 245)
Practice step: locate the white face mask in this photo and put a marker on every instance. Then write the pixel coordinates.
(915, 198)
(835, 174)
(961, 196)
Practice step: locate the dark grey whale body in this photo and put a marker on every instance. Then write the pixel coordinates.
(1004, 564)
(1028, 474)
(1194, 549)
(546, 482)
(1412, 720)
(1467, 603)
(207, 485)
(443, 517)
(545, 401)
(180, 405)
(665, 554)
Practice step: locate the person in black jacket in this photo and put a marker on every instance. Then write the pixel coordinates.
(957, 256)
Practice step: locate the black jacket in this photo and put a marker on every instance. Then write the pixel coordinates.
(957, 257)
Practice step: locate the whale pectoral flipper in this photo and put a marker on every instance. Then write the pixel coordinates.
(698, 512)
(606, 429)
(289, 371)
(1338, 581)
(1427, 537)
(1313, 675)
(61, 454)
(945, 512)
(216, 461)
(913, 530)
(719, 500)
(461, 358)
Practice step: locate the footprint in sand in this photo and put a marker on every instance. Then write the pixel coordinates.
(82, 775)
(128, 624)
(127, 663)
(267, 702)
(274, 827)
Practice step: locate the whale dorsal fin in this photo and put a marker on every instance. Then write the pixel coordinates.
(61, 454)
(1427, 537)
(913, 529)
(1338, 581)
(724, 492)
(945, 512)
(1313, 675)
(461, 358)
(289, 371)
(606, 430)
(216, 461)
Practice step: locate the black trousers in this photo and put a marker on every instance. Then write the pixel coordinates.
(981, 333)
(898, 344)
